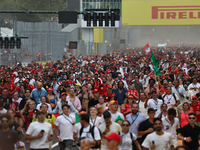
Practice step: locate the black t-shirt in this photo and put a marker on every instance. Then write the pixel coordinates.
(189, 131)
(145, 125)
(92, 102)
(8, 139)
(7, 101)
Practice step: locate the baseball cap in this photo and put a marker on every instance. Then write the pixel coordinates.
(40, 112)
(113, 102)
(194, 97)
(85, 85)
(50, 89)
(95, 91)
(82, 112)
(113, 136)
(130, 96)
(63, 93)
(165, 82)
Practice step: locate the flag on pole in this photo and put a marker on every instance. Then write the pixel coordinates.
(147, 48)
(42, 53)
(155, 63)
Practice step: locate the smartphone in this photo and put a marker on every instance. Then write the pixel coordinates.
(42, 131)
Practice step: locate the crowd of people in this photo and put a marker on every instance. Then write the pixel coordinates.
(103, 102)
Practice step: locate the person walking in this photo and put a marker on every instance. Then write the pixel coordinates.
(190, 133)
(65, 124)
(39, 133)
(158, 140)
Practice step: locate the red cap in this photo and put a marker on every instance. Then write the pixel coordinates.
(194, 97)
(50, 89)
(95, 91)
(185, 75)
(113, 136)
(110, 87)
(125, 74)
(63, 93)
(130, 96)
(82, 112)
(96, 73)
(85, 85)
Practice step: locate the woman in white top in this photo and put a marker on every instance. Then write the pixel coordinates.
(43, 100)
(94, 119)
(127, 138)
(163, 113)
(17, 115)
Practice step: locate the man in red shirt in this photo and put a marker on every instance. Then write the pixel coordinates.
(132, 91)
(103, 87)
(109, 95)
(163, 89)
(195, 107)
(11, 86)
(97, 80)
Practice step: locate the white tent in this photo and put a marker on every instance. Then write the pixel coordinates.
(6, 32)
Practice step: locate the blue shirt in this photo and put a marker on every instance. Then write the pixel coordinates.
(35, 94)
(120, 96)
(135, 121)
(55, 87)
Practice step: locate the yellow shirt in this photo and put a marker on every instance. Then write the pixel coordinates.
(50, 118)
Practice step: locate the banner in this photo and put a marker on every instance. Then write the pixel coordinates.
(160, 12)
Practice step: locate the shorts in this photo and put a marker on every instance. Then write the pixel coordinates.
(66, 144)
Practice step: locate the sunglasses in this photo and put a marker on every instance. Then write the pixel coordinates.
(192, 118)
(164, 106)
(125, 125)
(4, 121)
(194, 99)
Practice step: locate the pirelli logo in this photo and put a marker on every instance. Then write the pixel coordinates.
(175, 12)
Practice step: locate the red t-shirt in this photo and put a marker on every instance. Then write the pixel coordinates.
(103, 89)
(131, 92)
(125, 108)
(26, 117)
(11, 88)
(164, 91)
(195, 109)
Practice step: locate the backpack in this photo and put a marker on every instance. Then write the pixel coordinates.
(172, 95)
(130, 135)
(92, 133)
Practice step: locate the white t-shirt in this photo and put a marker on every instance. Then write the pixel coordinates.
(142, 109)
(3, 111)
(195, 91)
(114, 127)
(32, 82)
(155, 105)
(88, 135)
(96, 121)
(34, 129)
(65, 126)
(160, 141)
(169, 99)
(126, 141)
(113, 116)
(18, 101)
(77, 127)
(171, 128)
(49, 107)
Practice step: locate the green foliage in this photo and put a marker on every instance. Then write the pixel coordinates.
(42, 5)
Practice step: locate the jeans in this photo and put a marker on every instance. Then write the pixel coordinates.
(66, 144)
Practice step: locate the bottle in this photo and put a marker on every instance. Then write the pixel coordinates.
(166, 146)
(153, 143)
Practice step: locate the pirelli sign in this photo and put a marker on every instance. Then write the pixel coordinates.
(168, 12)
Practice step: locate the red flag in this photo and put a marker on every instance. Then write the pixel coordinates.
(42, 53)
(146, 48)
